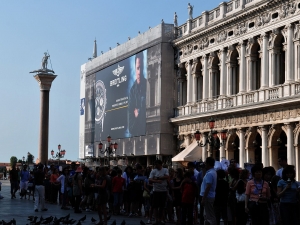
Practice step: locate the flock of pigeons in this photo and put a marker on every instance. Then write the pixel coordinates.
(65, 220)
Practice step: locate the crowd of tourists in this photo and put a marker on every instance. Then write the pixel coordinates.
(197, 194)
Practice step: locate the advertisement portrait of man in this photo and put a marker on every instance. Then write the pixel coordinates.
(137, 99)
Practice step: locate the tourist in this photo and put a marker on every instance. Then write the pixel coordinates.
(39, 193)
(14, 185)
(257, 196)
(287, 191)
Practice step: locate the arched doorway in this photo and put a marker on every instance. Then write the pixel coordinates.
(233, 71)
(253, 65)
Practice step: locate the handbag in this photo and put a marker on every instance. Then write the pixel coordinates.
(146, 194)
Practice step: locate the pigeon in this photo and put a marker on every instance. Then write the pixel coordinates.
(14, 221)
(93, 220)
(142, 222)
(114, 223)
(82, 219)
(123, 222)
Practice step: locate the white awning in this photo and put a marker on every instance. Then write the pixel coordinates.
(191, 153)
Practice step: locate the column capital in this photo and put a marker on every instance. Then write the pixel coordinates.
(45, 80)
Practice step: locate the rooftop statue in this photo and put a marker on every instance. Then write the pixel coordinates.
(44, 68)
(190, 11)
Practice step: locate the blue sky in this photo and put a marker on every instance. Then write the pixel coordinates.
(67, 29)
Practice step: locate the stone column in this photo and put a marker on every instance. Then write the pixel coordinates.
(242, 83)
(241, 133)
(45, 80)
(222, 151)
(205, 77)
(273, 153)
(229, 79)
(250, 155)
(195, 76)
(290, 144)
(272, 71)
(263, 41)
(189, 79)
(297, 157)
(264, 146)
(290, 54)
(222, 66)
(297, 59)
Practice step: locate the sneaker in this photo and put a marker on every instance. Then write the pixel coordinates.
(44, 209)
(36, 210)
(88, 210)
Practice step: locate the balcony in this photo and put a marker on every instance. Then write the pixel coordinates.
(249, 100)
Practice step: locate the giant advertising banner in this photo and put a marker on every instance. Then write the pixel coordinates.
(120, 98)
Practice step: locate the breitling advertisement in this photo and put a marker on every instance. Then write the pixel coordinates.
(120, 98)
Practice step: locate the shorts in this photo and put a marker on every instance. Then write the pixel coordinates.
(24, 185)
(159, 199)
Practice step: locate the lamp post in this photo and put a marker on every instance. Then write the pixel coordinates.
(212, 137)
(110, 149)
(60, 154)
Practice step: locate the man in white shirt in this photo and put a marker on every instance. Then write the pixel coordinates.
(158, 177)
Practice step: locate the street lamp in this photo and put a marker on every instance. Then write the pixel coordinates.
(60, 154)
(212, 137)
(110, 149)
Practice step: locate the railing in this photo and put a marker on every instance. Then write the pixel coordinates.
(230, 7)
(276, 93)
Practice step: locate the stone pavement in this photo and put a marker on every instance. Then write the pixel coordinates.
(20, 209)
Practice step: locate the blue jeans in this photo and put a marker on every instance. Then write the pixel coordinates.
(118, 198)
(289, 213)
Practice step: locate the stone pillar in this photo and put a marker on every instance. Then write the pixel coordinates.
(264, 147)
(290, 144)
(297, 59)
(195, 76)
(210, 84)
(297, 157)
(222, 151)
(241, 133)
(263, 40)
(272, 70)
(222, 66)
(242, 61)
(290, 54)
(229, 79)
(45, 80)
(189, 82)
(205, 77)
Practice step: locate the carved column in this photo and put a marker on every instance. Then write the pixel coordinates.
(290, 144)
(241, 133)
(222, 57)
(195, 76)
(242, 61)
(205, 77)
(180, 79)
(188, 66)
(297, 52)
(288, 31)
(263, 41)
(264, 146)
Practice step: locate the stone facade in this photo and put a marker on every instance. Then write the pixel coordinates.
(240, 64)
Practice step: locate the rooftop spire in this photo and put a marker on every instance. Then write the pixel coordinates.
(95, 49)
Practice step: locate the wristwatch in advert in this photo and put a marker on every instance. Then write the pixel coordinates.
(100, 102)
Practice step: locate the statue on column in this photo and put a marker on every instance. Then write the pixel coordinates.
(190, 11)
(175, 20)
(44, 68)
